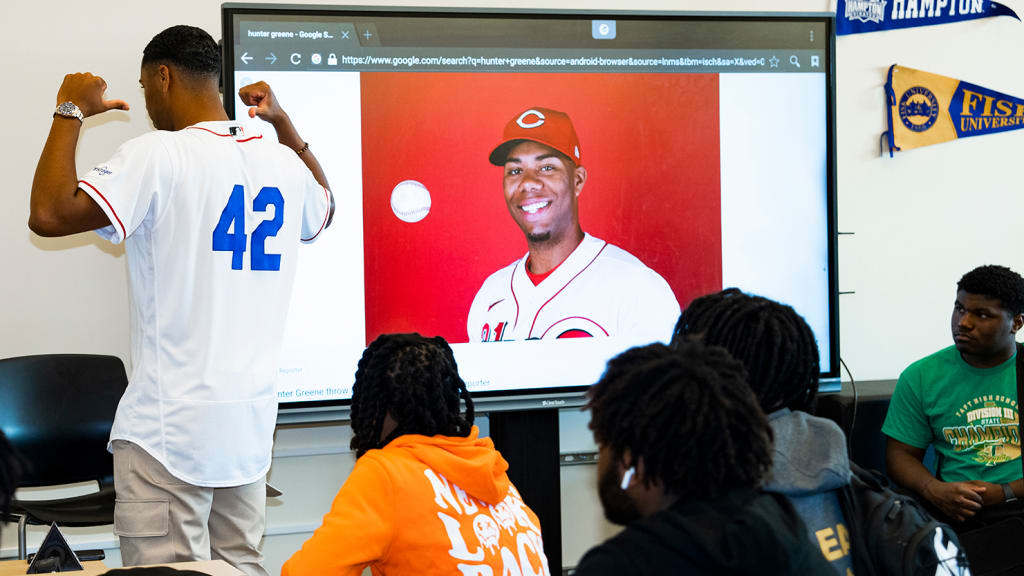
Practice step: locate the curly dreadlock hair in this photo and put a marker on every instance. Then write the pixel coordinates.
(688, 413)
(188, 48)
(11, 467)
(774, 343)
(416, 380)
(997, 282)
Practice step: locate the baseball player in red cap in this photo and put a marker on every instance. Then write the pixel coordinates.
(570, 284)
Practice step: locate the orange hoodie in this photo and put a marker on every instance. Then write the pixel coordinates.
(426, 505)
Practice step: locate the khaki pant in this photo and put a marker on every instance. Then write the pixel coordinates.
(161, 519)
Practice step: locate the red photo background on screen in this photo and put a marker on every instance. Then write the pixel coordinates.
(650, 144)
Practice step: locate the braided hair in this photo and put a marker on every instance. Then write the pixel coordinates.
(687, 413)
(774, 343)
(414, 379)
(997, 282)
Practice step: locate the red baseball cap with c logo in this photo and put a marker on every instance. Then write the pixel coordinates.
(544, 125)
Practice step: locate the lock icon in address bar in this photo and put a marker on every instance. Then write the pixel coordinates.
(332, 60)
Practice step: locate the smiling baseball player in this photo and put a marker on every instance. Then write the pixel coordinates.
(570, 284)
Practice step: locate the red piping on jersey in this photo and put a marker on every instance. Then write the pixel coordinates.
(124, 233)
(326, 216)
(225, 135)
(495, 304)
(535, 316)
(571, 318)
(512, 289)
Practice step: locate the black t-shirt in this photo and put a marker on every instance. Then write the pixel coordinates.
(743, 532)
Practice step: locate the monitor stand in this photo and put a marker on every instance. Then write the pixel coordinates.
(528, 439)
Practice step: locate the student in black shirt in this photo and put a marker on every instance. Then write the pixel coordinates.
(683, 449)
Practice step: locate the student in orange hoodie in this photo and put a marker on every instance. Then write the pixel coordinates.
(427, 494)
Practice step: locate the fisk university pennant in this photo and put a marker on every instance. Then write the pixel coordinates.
(926, 108)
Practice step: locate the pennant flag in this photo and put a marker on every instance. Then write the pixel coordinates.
(858, 16)
(926, 108)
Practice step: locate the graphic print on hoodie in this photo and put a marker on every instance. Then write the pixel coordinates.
(426, 505)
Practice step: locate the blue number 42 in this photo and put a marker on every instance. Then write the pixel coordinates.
(229, 235)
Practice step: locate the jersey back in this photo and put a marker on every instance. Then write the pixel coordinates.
(212, 219)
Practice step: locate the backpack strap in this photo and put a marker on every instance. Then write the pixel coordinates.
(872, 478)
(857, 531)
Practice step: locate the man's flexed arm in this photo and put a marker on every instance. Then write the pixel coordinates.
(57, 206)
(265, 105)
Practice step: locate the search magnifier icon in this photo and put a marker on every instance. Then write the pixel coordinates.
(794, 60)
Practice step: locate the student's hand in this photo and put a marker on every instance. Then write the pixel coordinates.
(263, 102)
(86, 91)
(958, 500)
(993, 492)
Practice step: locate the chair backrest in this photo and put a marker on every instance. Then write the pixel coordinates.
(57, 410)
(868, 443)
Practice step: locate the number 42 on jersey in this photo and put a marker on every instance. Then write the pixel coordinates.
(230, 236)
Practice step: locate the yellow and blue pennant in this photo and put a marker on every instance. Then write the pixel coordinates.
(926, 108)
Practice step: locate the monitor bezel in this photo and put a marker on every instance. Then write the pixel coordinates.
(566, 396)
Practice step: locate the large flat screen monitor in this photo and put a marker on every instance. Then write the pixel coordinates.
(694, 151)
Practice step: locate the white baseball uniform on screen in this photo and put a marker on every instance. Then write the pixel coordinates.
(206, 322)
(598, 289)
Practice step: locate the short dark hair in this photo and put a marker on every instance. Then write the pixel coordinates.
(416, 380)
(687, 413)
(997, 282)
(775, 344)
(187, 47)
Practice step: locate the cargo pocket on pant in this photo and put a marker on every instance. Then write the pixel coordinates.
(142, 518)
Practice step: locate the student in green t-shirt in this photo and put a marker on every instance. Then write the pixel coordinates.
(963, 401)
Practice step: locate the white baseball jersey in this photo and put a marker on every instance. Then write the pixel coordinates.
(212, 216)
(599, 290)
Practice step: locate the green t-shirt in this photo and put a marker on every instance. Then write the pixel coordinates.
(969, 414)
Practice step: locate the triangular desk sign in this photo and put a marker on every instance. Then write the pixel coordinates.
(54, 555)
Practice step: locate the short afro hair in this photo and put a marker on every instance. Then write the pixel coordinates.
(997, 282)
(688, 414)
(189, 48)
(775, 344)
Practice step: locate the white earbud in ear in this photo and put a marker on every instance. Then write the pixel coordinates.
(627, 477)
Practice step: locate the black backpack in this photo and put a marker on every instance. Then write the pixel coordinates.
(892, 535)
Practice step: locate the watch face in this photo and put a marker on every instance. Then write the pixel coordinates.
(69, 109)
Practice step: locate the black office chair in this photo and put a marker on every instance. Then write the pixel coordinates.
(868, 443)
(57, 411)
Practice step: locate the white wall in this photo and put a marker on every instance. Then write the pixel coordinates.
(920, 220)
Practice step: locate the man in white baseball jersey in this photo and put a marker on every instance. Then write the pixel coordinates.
(570, 284)
(211, 214)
